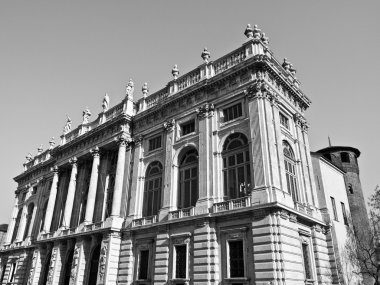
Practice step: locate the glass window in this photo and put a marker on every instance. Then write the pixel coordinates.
(12, 272)
(236, 166)
(143, 265)
(3, 268)
(17, 223)
(34, 191)
(345, 220)
(188, 128)
(181, 261)
(152, 190)
(188, 180)
(290, 170)
(154, 143)
(334, 208)
(232, 112)
(284, 121)
(112, 160)
(29, 216)
(306, 260)
(236, 258)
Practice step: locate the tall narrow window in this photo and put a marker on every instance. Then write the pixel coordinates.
(46, 268)
(43, 214)
(155, 143)
(67, 268)
(334, 208)
(306, 260)
(232, 112)
(93, 273)
(143, 264)
(17, 223)
(236, 166)
(3, 268)
(29, 216)
(86, 170)
(188, 128)
(12, 272)
(112, 160)
(236, 258)
(290, 170)
(181, 261)
(152, 191)
(345, 220)
(188, 179)
(284, 121)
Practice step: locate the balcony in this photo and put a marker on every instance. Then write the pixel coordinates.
(232, 204)
(144, 221)
(181, 213)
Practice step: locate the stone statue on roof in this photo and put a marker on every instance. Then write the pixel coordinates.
(86, 116)
(106, 102)
(67, 127)
(130, 88)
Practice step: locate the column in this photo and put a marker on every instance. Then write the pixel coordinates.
(117, 192)
(205, 181)
(70, 193)
(91, 196)
(167, 188)
(12, 223)
(21, 227)
(51, 201)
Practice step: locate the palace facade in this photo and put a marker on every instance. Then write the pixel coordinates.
(206, 181)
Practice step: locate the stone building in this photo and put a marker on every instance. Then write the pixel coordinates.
(206, 181)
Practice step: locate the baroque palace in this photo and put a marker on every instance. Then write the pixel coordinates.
(209, 180)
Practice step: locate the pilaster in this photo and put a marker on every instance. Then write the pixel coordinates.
(91, 198)
(126, 261)
(70, 193)
(12, 222)
(109, 259)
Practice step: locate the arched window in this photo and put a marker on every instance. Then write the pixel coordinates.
(17, 223)
(67, 268)
(188, 179)
(29, 216)
(94, 264)
(236, 166)
(290, 170)
(152, 189)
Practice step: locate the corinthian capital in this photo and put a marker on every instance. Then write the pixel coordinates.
(73, 161)
(205, 110)
(259, 89)
(95, 151)
(169, 125)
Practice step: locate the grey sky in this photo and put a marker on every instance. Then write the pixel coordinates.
(56, 58)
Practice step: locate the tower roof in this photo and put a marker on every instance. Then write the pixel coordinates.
(331, 149)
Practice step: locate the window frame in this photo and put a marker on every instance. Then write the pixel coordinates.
(144, 245)
(185, 124)
(284, 121)
(305, 241)
(231, 107)
(150, 140)
(333, 205)
(290, 167)
(183, 167)
(181, 239)
(344, 213)
(158, 191)
(12, 272)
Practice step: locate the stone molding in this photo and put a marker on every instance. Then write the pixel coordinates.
(205, 111)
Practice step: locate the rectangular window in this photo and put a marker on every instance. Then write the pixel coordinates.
(306, 260)
(181, 261)
(188, 128)
(236, 258)
(232, 112)
(284, 121)
(144, 265)
(154, 143)
(344, 214)
(334, 209)
(34, 191)
(12, 272)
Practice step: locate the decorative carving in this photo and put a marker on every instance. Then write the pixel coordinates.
(86, 116)
(40, 149)
(286, 64)
(51, 266)
(205, 110)
(181, 240)
(106, 102)
(169, 125)
(129, 89)
(29, 157)
(51, 143)
(205, 55)
(175, 72)
(54, 169)
(292, 70)
(264, 39)
(138, 140)
(273, 98)
(256, 32)
(73, 161)
(123, 140)
(102, 261)
(67, 127)
(301, 122)
(145, 89)
(257, 90)
(32, 266)
(95, 151)
(74, 267)
(248, 32)
(292, 217)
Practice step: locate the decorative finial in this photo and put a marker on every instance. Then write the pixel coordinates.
(29, 157)
(292, 70)
(130, 88)
(264, 39)
(106, 102)
(40, 149)
(86, 115)
(256, 32)
(67, 127)
(286, 64)
(248, 32)
(145, 89)
(205, 55)
(51, 143)
(175, 71)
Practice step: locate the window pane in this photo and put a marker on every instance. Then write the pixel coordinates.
(144, 264)
(232, 183)
(180, 270)
(239, 158)
(236, 258)
(306, 263)
(231, 160)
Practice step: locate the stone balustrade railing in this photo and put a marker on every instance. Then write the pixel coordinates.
(181, 213)
(232, 204)
(144, 221)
